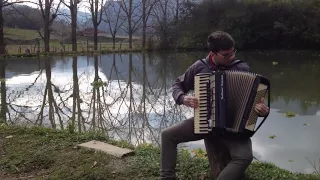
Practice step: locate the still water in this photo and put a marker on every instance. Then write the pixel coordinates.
(129, 95)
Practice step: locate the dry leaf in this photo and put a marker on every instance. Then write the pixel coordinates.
(8, 137)
(94, 164)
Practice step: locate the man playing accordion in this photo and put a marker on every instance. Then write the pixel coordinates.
(221, 56)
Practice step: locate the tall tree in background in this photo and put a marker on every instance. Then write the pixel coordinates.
(96, 8)
(161, 15)
(48, 19)
(134, 19)
(114, 18)
(146, 10)
(73, 7)
(167, 18)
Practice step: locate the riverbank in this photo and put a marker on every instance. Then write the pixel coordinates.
(68, 53)
(41, 153)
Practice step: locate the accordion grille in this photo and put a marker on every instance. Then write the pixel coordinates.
(239, 86)
(261, 92)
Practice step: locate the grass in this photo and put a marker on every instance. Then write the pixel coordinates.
(40, 153)
(55, 46)
(20, 34)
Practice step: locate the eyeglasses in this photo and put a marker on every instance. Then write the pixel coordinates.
(226, 56)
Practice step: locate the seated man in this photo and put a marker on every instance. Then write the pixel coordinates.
(221, 55)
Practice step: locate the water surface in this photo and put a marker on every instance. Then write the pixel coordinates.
(129, 95)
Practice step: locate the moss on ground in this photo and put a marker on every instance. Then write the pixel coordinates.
(40, 153)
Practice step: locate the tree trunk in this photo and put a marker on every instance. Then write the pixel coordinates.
(130, 36)
(2, 45)
(130, 24)
(75, 80)
(3, 110)
(95, 39)
(144, 25)
(218, 155)
(114, 41)
(74, 27)
(47, 27)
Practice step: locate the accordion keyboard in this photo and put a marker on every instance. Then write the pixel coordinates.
(202, 112)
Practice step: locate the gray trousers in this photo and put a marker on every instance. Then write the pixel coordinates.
(239, 149)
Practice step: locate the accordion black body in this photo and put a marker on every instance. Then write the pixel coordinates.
(227, 102)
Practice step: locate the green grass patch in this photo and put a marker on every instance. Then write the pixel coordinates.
(20, 34)
(41, 153)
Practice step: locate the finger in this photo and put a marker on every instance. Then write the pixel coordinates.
(262, 100)
(264, 107)
(193, 100)
(258, 109)
(195, 103)
(259, 106)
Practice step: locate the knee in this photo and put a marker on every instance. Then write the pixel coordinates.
(245, 158)
(248, 158)
(166, 134)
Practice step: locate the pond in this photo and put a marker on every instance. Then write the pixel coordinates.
(129, 96)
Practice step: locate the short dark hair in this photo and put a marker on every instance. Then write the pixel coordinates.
(220, 40)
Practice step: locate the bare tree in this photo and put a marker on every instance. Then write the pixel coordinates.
(147, 6)
(73, 6)
(166, 13)
(114, 18)
(49, 14)
(96, 8)
(134, 19)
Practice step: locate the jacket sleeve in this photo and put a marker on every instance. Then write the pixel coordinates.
(183, 84)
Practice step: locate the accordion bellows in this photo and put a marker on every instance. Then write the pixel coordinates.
(227, 102)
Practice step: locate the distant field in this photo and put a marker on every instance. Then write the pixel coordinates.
(24, 34)
(20, 34)
(55, 47)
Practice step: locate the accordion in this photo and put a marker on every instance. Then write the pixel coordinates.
(226, 102)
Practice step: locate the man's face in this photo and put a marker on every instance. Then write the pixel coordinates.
(224, 57)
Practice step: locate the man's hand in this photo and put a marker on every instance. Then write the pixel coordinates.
(190, 101)
(261, 108)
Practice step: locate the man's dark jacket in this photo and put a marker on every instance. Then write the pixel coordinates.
(184, 83)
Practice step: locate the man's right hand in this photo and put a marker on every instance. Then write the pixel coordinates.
(190, 101)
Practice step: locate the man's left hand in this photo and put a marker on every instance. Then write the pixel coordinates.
(261, 108)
